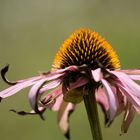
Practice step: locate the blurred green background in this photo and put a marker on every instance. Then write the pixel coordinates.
(31, 31)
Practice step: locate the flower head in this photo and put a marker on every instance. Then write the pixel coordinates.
(85, 60)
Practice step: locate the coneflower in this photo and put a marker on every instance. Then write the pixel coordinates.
(85, 68)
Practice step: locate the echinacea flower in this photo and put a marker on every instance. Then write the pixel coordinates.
(85, 61)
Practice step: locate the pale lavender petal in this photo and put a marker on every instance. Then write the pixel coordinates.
(70, 68)
(35, 91)
(131, 86)
(58, 102)
(54, 99)
(35, 78)
(78, 83)
(133, 99)
(61, 72)
(102, 99)
(53, 75)
(19, 86)
(50, 85)
(128, 118)
(135, 77)
(97, 74)
(113, 102)
(63, 117)
(131, 71)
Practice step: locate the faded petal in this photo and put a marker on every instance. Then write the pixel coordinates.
(132, 86)
(97, 74)
(135, 77)
(113, 102)
(102, 100)
(131, 71)
(35, 93)
(128, 117)
(54, 99)
(19, 86)
(129, 88)
(133, 99)
(63, 117)
(32, 112)
(58, 102)
(122, 100)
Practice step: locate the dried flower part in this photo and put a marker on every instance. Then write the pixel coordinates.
(86, 47)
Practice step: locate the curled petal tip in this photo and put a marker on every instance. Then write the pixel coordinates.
(3, 75)
(121, 134)
(41, 116)
(23, 113)
(19, 112)
(67, 135)
(108, 123)
(5, 69)
(0, 99)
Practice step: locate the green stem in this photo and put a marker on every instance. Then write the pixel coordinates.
(92, 112)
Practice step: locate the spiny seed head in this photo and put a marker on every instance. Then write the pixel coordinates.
(86, 47)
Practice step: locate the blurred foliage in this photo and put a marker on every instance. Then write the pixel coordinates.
(31, 32)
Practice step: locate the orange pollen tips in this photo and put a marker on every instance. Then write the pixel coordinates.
(86, 47)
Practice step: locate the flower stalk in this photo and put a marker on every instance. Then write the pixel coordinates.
(92, 112)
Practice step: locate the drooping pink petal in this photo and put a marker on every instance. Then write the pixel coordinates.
(70, 68)
(78, 83)
(135, 77)
(58, 102)
(133, 99)
(122, 100)
(128, 83)
(50, 85)
(97, 74)
(113, 102)
(60, 72)
(19, 86)
(35, 78)
(54, 99)
(130, 89)
(63, 117)
(128, 117)
(101, 98)
(131, 71)
(53, 75)
(35, 91)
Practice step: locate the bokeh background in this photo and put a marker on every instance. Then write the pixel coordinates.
(31, 31)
